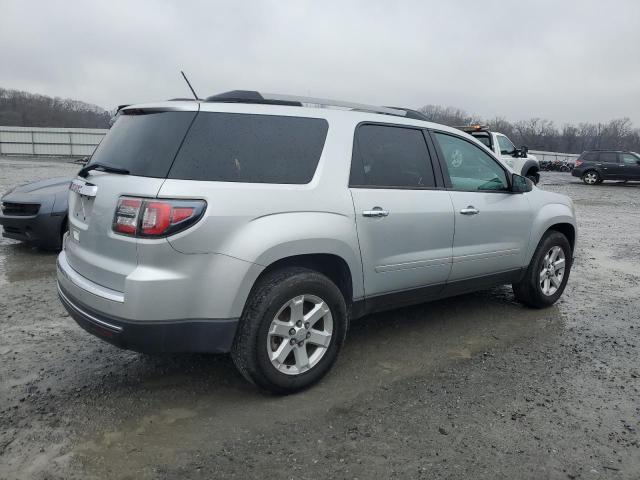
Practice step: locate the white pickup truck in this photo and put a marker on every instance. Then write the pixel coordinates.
(518, 159)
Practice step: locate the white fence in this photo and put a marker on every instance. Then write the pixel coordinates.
(80, 142)
(66, 142)
(555, 156)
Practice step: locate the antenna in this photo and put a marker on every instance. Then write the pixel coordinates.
(189, 83)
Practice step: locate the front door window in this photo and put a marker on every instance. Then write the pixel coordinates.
(469, 168)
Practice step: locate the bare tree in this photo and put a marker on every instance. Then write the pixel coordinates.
(23, 109)
(542, 134)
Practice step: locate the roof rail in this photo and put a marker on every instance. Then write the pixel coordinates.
(250, 96)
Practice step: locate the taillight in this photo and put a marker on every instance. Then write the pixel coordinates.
(151, 218)
(578, 163)
(126, 219)
(156, 218)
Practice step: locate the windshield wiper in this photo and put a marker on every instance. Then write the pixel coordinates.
(103, 167)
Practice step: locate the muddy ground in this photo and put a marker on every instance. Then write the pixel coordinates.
(471, 387)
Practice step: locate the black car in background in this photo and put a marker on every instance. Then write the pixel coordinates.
(596, 166)
(36, 212)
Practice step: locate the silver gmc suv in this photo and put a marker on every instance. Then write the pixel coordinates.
(261, 225)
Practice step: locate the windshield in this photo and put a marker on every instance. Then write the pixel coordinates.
(145, 144)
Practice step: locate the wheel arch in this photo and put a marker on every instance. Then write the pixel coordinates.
(331, 265)
(552, 217)
(568, 230)
(530, 165)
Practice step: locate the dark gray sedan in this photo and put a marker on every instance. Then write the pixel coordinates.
(37, 212)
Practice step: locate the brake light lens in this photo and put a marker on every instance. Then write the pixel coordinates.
(578, 163)
(156, 218)
(126, 219)
(152, 218)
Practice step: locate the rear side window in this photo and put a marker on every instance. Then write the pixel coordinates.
(145, 144)
(232, 147)
(608, 157)
(484, 138)
(590, 157)
(392, 157)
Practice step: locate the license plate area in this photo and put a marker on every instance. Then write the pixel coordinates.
(81, 207)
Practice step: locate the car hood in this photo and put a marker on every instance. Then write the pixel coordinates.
(50, 186)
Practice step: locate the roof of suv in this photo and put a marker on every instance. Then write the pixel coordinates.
(244, 101)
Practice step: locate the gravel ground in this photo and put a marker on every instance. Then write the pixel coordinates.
(470, 387)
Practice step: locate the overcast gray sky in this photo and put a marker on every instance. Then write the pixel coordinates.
(568, 61)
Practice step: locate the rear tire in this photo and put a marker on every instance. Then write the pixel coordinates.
(591, 177)
(548, 272)
(289, 314)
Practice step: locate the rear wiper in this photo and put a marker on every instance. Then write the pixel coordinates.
(103, 168)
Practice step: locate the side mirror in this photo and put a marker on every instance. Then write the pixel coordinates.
(520, 184)
(523, 151)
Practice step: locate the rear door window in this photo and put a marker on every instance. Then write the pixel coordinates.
(608, 157)
(386, 156)
(232, 147)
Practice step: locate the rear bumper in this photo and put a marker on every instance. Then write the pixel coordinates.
(577, 172)
(199, 335)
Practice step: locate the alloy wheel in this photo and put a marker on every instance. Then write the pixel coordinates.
(552, 273)
(299, 334)
(591, 178)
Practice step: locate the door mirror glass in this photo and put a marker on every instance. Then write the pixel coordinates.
(524, 150)
(520, 184)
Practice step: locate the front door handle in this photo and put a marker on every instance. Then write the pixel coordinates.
(376, 212)
(470, 210)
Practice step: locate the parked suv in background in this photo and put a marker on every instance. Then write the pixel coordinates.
(260, 225)
(596, 166)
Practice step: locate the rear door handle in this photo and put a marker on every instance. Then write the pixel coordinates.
(470, 210)
(376, 212)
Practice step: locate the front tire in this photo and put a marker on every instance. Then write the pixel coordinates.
(548, 272)
(291, 330)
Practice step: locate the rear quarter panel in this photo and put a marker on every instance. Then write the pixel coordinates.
(263, 223)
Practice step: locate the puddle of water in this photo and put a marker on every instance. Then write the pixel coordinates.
(20, 263)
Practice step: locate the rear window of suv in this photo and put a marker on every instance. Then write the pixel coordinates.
(225, 147)
(232, 147)
(144, 143)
